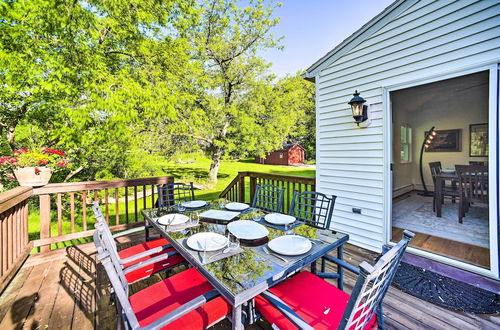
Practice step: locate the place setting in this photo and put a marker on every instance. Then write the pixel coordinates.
(279, 221)
(189, 206)
(208, 247)
(287, 249)
(177, 221)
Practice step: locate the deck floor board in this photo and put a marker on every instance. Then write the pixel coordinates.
(68, 289)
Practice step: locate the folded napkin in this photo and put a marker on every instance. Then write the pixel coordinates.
(211, 256)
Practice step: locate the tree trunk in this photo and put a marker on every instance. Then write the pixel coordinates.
(214, 166)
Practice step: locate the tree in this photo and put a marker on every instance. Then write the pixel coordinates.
(225, 43)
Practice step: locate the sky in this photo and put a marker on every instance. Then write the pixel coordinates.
(311, 28)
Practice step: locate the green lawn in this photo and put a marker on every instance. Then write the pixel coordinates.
(196, 172)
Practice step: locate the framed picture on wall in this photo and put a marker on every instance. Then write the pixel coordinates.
(478, 140)
(449, 140)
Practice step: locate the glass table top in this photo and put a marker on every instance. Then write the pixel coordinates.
(250, 269)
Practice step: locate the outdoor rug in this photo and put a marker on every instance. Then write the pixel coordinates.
(415, 214)
(444, 291)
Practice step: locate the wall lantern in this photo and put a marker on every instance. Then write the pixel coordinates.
(359, 110)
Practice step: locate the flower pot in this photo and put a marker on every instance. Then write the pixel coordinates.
(31, 177)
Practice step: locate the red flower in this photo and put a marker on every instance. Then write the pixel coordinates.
(62, 163)
(21, 151)
(55, 152)
(8, 159)
(43, 162)
(37, 170)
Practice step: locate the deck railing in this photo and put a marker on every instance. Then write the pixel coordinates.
(242, 188)
(14, 241)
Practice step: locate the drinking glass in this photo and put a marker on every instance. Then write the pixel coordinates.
(194, 219)
(181, 208)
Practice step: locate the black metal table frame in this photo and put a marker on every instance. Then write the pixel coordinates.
(240, 299)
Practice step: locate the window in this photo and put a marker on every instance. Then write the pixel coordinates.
(405, 144)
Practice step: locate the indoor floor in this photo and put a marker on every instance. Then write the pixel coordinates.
(467, 241)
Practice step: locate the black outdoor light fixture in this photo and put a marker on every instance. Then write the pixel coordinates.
(359, 110)
(429, 137)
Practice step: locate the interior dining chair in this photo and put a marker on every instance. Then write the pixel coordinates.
(307, 301)
(172, 193)
(268, 198)
(182, 301)
(448, 191)
(473, 187)
(141, 260)
(313, 208)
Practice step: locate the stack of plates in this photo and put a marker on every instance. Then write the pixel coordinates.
(173, 219)
(279, 219)
(237, 206)
(207, 242)
(290, 245)
(248, 230)
(194, 204)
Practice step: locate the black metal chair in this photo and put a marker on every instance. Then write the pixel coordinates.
(268, 197)
(307, 301)
(313, 208)
(172, 193)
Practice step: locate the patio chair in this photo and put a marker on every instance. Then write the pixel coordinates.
(141, 260)
(450, 192)
(312, 207)
(473, 187)
(172, 193)
(184, 300)
(268, 197)
(306, 301)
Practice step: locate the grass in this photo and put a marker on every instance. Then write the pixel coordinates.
(196, 171)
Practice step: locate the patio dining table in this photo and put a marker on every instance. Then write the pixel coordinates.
(242, 276)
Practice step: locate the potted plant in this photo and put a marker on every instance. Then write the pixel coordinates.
(34, 168)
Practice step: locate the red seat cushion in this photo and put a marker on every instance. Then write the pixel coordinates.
(149, 269)
(161, 298)
(318, 302)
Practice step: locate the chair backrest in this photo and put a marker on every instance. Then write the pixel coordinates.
(172, 193)
(268, 197)
(116, 277)
(102, 227)
(473, 182)
(312, 207)
(435, 170)
(372, 285)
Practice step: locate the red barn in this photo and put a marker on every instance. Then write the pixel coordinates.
(291, 153)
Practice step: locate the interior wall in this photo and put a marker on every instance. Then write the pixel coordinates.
(450, 104)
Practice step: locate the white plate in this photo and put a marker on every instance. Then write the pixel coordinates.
(173, 219)
(279, 219)
(219, 215)
(207, 241)
(236, 206)
(194, 204)
(246, 229)
(290, 245)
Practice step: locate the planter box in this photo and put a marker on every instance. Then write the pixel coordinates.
(27, 177)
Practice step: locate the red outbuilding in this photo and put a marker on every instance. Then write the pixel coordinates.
(290, 154)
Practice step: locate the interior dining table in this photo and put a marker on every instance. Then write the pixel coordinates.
(438, 188)
(241, 276)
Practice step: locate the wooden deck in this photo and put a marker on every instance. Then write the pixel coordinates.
(67, 289)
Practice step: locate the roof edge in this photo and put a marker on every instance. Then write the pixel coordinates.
(357, 37)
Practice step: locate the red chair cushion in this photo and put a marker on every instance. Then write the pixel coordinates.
(149, 269)
(161, 298)
(318, 302)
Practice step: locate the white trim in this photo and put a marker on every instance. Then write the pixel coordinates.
(493, 68)
(317, 111)
(492, 171)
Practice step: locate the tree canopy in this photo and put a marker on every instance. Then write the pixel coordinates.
(115, 82)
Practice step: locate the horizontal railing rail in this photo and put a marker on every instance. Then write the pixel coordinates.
(242, 187)
(65, 207)
(14, 241)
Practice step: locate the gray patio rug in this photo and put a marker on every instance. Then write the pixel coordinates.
(444, 291)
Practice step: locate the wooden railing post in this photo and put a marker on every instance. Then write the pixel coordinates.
(253, 186)
(242, 186)
(44, 220)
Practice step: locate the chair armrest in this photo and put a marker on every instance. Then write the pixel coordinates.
(128, 232)
(183, 310)
(342, 263)
(151, 261)
(286, 310)
(145, 254)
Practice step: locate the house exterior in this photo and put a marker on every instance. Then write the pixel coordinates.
(290, 154)
(410, 43)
